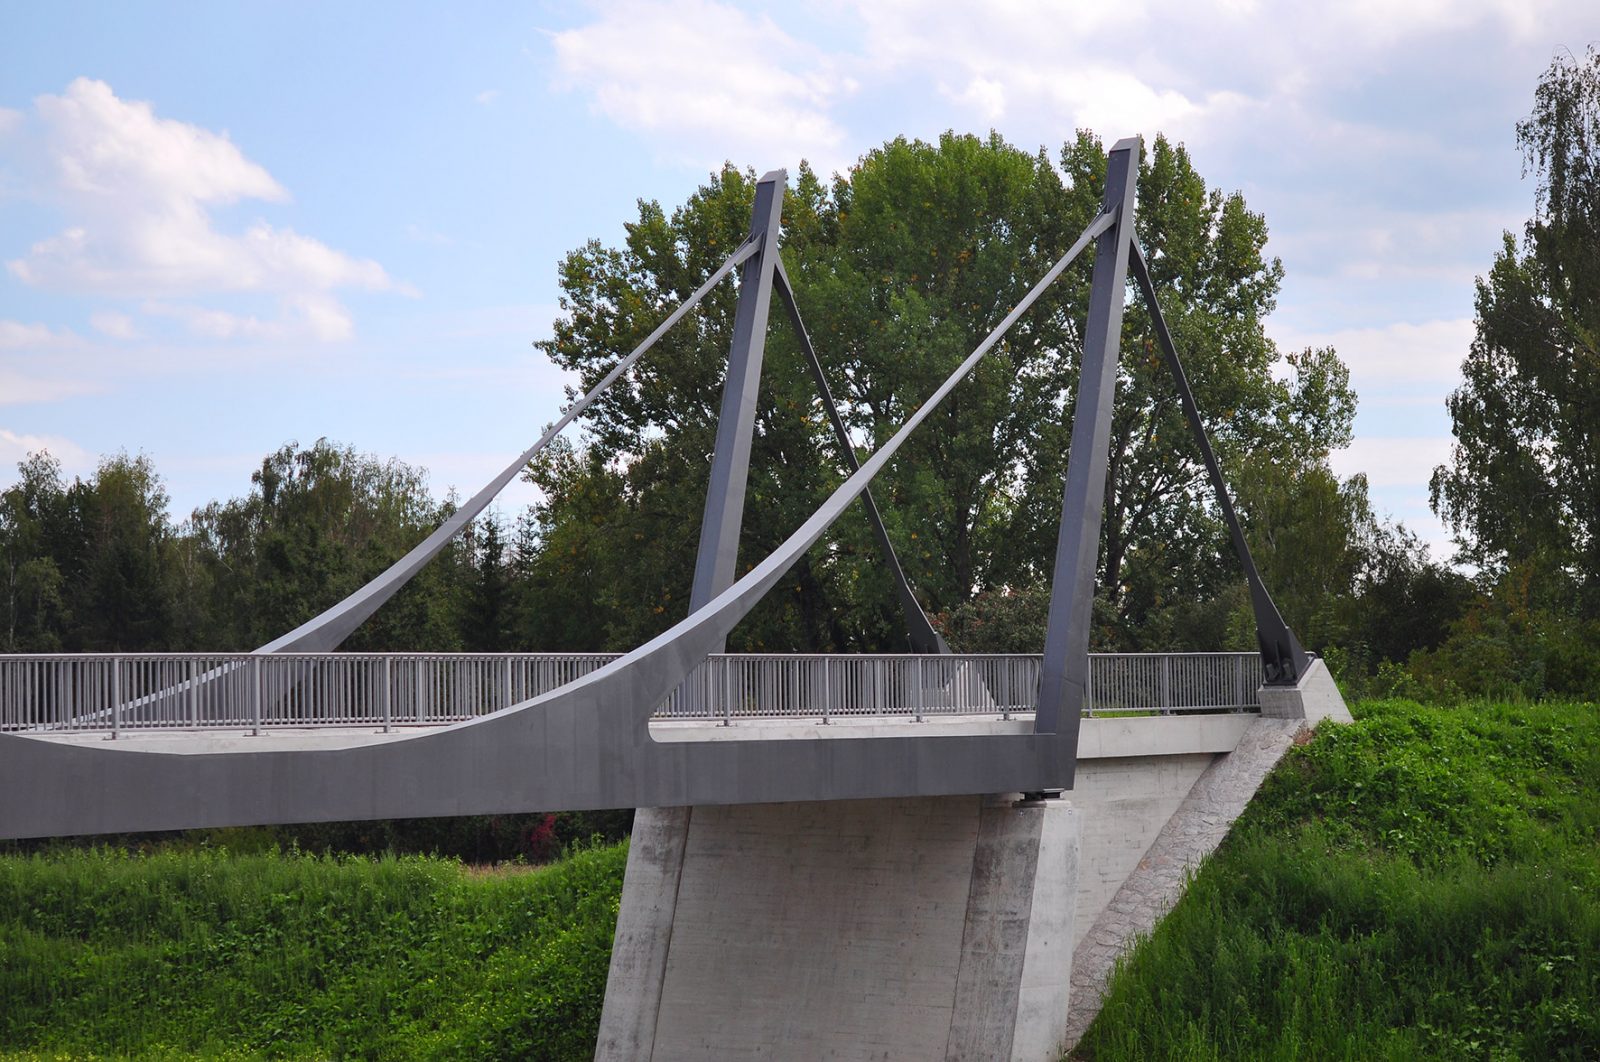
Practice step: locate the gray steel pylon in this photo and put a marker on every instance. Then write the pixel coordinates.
(718, 555)
(1065, 674)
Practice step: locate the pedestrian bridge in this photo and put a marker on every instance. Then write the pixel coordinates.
(919, 889)
(118, 695)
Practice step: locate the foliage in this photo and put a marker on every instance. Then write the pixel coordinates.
(1523, 483)
(208, 953)
(1422, 883)
(317, 524)
(901, 266)
(1523, 638)
(90, 565)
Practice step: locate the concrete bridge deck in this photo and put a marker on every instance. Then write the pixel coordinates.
(1103, 737)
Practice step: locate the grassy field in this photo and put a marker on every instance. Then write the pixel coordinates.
(1425, 883)
(203, 953)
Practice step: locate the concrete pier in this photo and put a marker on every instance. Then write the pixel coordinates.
(927, 927)
(871, 929)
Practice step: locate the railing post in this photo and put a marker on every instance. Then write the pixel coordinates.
(727, 691)
(194, 694)
(1166, 684)
(116, 697)
(827, 692)
(1088, 687)
(255, 696)
(1010, 685)
(388, 694)
(422, 707)
(921, 685)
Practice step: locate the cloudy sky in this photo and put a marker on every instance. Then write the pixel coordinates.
(223, 227)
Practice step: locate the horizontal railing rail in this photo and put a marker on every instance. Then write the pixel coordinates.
(123, 692)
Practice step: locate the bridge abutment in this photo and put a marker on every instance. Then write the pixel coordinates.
(930, 927)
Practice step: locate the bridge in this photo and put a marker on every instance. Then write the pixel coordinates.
(853, 856)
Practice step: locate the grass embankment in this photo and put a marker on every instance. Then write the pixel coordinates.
(1424, 883)
(185, 953)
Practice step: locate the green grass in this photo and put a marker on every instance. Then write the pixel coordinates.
(1424, 883)
(205, 953)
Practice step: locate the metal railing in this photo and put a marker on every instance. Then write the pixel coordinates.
(113, 693)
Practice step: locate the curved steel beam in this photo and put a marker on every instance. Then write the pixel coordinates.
(586, 745)
(324, 632)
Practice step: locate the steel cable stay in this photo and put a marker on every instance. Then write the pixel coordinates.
(1282, 656)
(663, 663)
(924, 639)
(324, 632)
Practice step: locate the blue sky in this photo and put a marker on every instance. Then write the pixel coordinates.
(223, 227)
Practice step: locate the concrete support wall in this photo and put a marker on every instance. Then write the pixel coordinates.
(927, 927)
(873, 929)
(1183, 837)
(644, 932)
(1124, 803)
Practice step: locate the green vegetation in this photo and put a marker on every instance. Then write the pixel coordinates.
(214, 954)
(1424, 883)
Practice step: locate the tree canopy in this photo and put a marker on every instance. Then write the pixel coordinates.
(1523, 482)
(900, 267)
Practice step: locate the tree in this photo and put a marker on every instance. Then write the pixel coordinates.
(317, 524)
(1523, 482)
(487, 612)
(33, 519)
(123, 597)
(901, 267)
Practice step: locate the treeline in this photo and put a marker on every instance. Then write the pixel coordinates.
(901, 266)
(99, 564)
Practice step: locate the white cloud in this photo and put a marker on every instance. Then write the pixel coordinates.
(487, 96)
(1400, 353)
(985, 97)
(14, 335)
(115, 325)
(708, 80)
(418, 234)
(137, 190)
(1392, 461)
(14, 446)
(1045, 67)
(307, 315)
(9, 120)
(18, 388)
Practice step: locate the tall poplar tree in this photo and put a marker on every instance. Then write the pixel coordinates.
(1523, 483)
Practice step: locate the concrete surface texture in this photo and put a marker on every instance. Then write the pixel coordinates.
(1185, 837)
(955, 927)
(1316, 697)
(874, 929)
